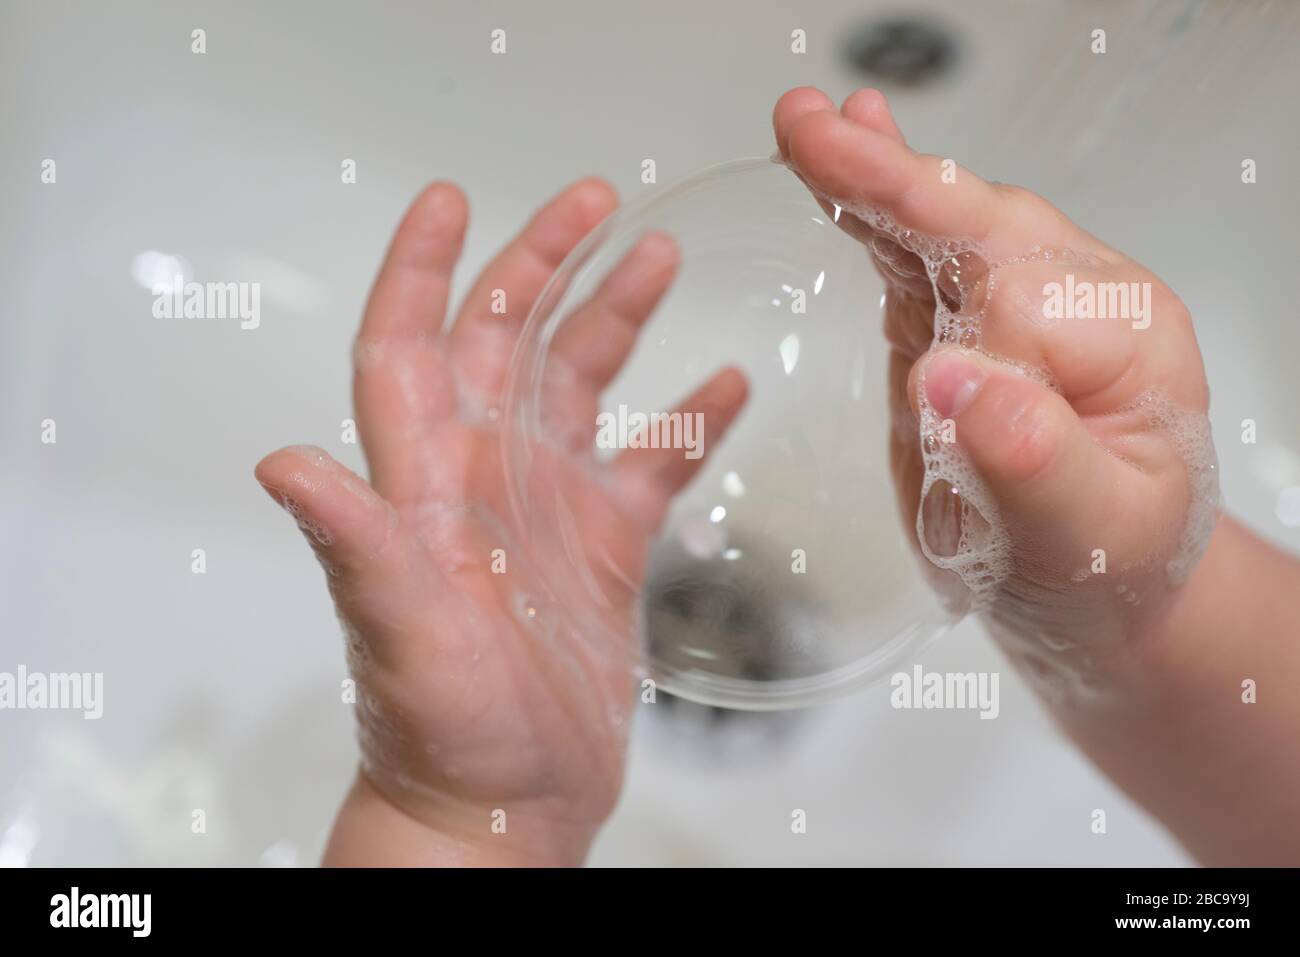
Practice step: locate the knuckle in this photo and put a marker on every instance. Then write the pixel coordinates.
(1025, 202)
(1018, 195)
(1033, 438)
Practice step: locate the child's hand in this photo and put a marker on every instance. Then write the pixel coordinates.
(1085, 440)
(1105, 467)
(489, 732)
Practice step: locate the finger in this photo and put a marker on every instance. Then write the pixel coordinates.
(906, 464)
(907, 467)
(869, 108)
(409, 297)
(900, 267)
(790, 107)
(375, 574)
(483, 337)
(1133, 335)
(648, 478)
(909, 320)
(401, 385)
(1084, 356)
(1054, 484)
(595, 340)
(861, 167)
(1087, 358)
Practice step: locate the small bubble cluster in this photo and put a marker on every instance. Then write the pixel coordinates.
(965, 534)
(958, 523)
(317, 531)
(1189, 434)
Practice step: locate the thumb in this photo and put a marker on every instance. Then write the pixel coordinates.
(370, 565)
(1040, 463)
(345, 521)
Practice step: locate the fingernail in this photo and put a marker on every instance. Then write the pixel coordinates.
(951, 383)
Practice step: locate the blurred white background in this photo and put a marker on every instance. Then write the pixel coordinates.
(222, 690)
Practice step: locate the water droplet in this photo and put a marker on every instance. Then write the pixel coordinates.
(525, 608)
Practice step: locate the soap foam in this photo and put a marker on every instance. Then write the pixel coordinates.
(963, 278)
(309, 527)
(1189, 434)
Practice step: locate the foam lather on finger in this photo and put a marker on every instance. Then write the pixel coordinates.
(960, 525)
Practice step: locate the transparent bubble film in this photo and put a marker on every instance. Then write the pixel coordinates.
(708, 443)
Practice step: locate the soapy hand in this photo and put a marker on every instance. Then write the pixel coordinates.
(490, 730)
(1048, 395)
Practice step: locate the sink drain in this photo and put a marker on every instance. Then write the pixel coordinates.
(902, 50)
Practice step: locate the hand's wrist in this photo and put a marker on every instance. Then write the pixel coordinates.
(1202, 710)
(371, 830)
(1175, 647)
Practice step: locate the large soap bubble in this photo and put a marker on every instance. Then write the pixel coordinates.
(698, 437)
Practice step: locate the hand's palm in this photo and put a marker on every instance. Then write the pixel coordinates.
(474, 686)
